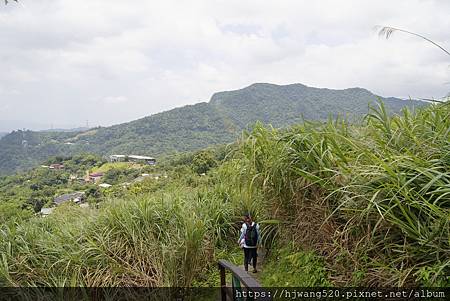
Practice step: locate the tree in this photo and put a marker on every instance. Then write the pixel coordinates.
(93, 194)
(203, 161)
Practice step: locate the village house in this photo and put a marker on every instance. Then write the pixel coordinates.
(74, 178)
(76, 197)
(46, 211)
(56, 166)
(94, 177)
(133, 158)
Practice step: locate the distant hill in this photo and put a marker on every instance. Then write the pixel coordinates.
(446, 97)
(3, 134)
(7, 126)
(195, 126)
(79, 129)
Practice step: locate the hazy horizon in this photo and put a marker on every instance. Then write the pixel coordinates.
(66, 63)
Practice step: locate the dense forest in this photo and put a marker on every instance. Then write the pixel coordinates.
(197, 126)
(339, 204)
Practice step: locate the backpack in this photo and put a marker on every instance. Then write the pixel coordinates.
(251, 236)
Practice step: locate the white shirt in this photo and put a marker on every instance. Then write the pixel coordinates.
(241, 240)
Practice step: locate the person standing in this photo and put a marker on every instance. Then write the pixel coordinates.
(249, 240)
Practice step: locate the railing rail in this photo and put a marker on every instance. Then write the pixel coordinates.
(251, 286)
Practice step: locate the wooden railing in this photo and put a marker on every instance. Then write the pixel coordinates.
(243, 286)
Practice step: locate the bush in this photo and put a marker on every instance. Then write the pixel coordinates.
(290, 268)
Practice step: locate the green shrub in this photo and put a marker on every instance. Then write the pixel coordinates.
(291, 268)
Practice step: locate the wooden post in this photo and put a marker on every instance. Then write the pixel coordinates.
(223, 283)
(247, 282)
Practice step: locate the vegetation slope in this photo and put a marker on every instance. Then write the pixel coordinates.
(339, 204)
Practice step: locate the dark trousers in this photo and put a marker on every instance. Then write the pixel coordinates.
(249, 254)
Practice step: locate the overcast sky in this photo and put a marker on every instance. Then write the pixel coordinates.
(63, 62)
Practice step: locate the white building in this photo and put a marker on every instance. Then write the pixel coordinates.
(133, 158)
(46, 211)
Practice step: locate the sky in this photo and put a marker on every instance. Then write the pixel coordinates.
(66, 63)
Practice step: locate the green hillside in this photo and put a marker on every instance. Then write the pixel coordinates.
(284, 105)
(193, 127)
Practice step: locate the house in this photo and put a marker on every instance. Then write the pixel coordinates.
(142, 159)
(104, 185)
(117, 158)
(133, 158)
(46, 211)
(94, 177)
(76, 197)
(56, 166)
(74, 178)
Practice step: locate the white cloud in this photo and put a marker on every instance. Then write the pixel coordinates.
(62, 55)
(114, 99)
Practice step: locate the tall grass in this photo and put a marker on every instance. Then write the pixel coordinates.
(380, 191)
(164, 239)
(372, 198)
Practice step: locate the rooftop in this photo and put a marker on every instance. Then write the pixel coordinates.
(137, 157)
(141, 157)
(47, 211)
(67, 197)
(96, 174)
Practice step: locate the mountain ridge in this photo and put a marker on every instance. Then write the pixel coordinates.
(196, 126)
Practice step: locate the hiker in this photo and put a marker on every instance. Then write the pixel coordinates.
(249, 240)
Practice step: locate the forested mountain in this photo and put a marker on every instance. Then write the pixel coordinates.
(285, 105)
(195, 126)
